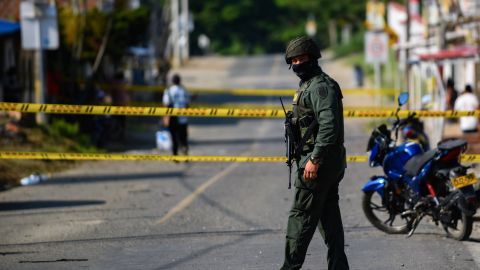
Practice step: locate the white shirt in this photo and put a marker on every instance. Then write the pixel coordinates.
(177, 97)
(467, 102)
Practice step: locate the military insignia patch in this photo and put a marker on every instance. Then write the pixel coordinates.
(323, 91)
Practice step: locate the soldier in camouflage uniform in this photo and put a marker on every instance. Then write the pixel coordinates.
(322, 161)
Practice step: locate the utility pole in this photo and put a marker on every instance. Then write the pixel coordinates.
(185, 31)
(39, 84)
(407, 49)
(175, 33)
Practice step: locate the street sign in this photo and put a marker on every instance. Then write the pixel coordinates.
(39, 25)
(376, 47)
(375, 13)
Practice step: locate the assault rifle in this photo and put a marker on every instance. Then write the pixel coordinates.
(294, 141)
(289, 142)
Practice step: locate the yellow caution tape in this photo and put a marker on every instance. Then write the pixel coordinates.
(471, 158)
(154, 157)
(208, 112)
(406, 113)
(287, 92)
(371, 92)
(260, 91)
(153, 88)
(357, 158)
(228, 91)
(102, 156)
(139, 111)
(240, 105)
(245, 92)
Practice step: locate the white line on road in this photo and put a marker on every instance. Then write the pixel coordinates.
(189, 199)
(261, 130)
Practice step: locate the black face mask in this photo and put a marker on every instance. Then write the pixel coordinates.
(304, 70)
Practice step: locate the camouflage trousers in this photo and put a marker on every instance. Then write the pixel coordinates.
(315, 205)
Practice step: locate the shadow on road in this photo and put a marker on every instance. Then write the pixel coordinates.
(473, 240)
(26, 205)
(80, 179)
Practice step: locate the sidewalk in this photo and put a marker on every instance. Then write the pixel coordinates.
(452, 130)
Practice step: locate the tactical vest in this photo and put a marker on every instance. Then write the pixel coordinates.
(304, 115)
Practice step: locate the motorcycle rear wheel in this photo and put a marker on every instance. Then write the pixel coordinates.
(460, 227)
(378, 214)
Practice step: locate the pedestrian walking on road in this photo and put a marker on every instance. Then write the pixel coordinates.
(322, 161)
(467, 101)
(176, 96)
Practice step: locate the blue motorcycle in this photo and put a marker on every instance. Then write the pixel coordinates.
(418, 182)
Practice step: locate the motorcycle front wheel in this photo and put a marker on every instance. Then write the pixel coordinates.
(386, 219)
(459, 226)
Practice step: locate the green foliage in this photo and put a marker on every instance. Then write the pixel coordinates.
(248, 26)
(60, 136)
(62, 128)
(356, 45)
(129, 29)
(85, 32)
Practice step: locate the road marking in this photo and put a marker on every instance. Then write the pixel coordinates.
(190, 198)
(261, 130)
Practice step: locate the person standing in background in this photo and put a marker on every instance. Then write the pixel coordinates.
(120, 97)
(450, 97)
(176, 96)
(467, 101)
(451, 94)
(12, 89)
(358, 75)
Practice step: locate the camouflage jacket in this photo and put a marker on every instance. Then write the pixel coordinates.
(320, 99)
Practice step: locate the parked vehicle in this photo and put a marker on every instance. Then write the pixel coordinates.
(412, 129)
(418, 183)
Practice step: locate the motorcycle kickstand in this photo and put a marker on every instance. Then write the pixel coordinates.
(415, 223)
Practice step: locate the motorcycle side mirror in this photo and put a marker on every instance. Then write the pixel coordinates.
(403, 98)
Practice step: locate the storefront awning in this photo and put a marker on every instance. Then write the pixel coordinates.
(7, 27)
(457, 52)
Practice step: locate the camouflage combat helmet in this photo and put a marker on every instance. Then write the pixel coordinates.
(301, 45)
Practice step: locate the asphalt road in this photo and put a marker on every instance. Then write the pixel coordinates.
(164, 215)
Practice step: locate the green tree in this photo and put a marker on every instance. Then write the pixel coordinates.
(86, 37)
(248, 26)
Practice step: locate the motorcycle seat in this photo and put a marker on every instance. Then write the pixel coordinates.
(415, 164)
(448, 145)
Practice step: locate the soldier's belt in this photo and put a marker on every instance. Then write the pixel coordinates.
(154, 157)
(208, 112)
